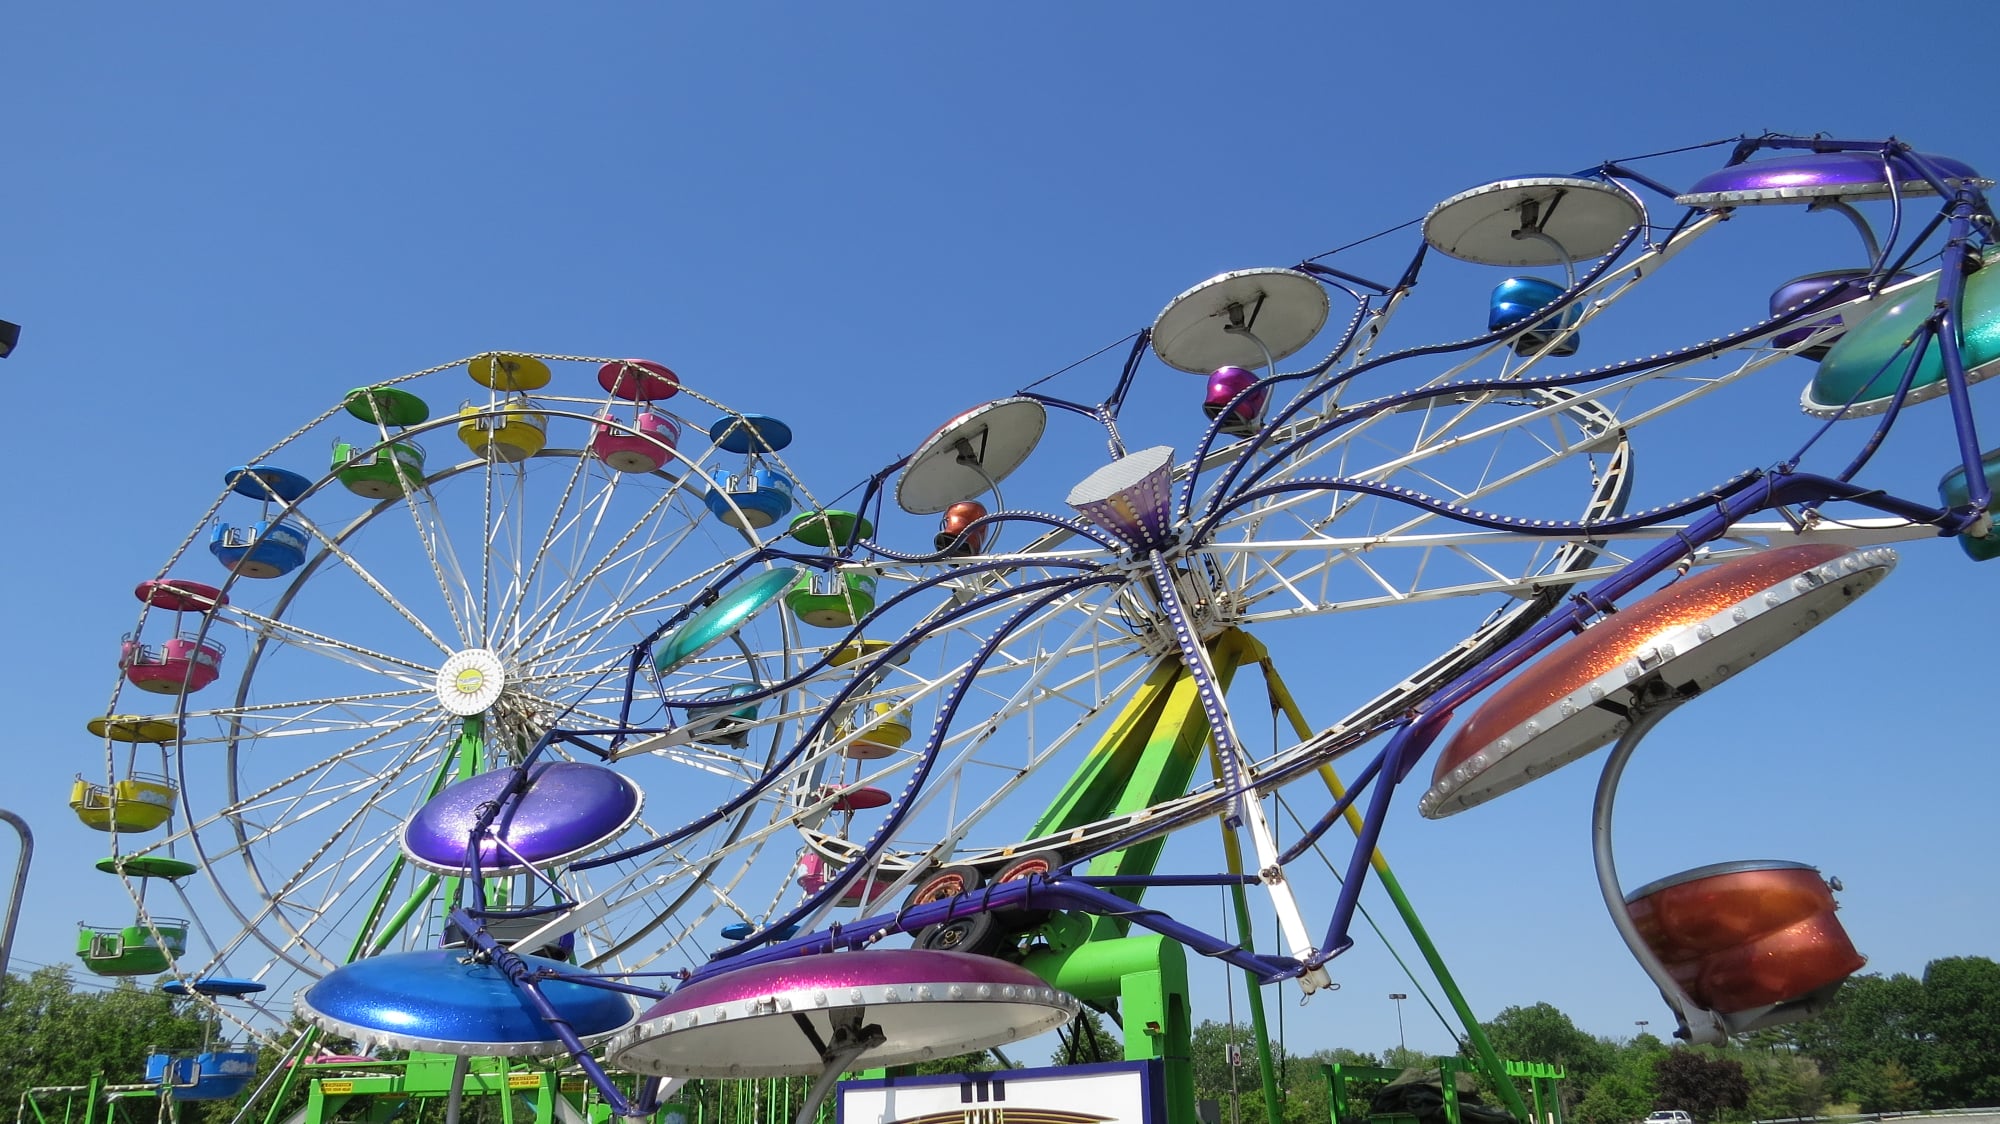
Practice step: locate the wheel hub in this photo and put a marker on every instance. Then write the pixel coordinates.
(470, 682)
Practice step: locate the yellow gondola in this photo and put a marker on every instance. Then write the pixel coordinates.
(890, 732)
(137, 803)
(511, 431)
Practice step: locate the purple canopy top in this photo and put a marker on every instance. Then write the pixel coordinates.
(570, 808)
(893, 966)
(926, 1003)
(1802, 177)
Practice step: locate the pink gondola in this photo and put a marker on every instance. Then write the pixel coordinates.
(641, 445)
(187, 661)
(815, 872)
(182, 665)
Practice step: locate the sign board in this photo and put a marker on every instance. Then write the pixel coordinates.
(1107, 1093)
(336, 1088)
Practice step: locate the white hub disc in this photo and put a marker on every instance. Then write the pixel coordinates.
(469, 683)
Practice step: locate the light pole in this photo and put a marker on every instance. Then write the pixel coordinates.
(1399, 997)
(1641, 1024)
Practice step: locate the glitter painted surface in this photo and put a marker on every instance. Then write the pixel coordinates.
(1749, 935)
(1132, 497)
(1865, 366)
(924, 1003)
(717, 622)
(570, 807)
(1801, 177)
(846, 969)
(1622, 636)
(437, 999)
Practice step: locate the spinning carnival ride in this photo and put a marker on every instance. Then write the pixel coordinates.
(586, 731)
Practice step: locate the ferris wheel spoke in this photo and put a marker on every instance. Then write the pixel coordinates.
(331, 546)
(554, 527)
(639, 614)
(360, 771)
(432, 533)
(301, 926)
(267, 628)
(581, 575)
(374, 714)
(1008, 776)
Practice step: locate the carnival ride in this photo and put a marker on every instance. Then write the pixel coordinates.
(587, 739)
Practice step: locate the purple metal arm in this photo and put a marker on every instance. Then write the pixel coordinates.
(1951, 303)
(1048, 590)
(777, 768)
(1073, 526)
(523, 978)
(1227, 483)
(1038, 892)
(1207, 442)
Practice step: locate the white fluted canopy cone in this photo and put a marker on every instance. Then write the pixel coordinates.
(1132, 497)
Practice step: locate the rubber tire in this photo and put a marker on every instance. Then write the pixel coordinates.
(1032, 863)
(982, 934)
(947, 882)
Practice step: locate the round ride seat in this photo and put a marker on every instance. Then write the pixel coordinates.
(266, 549)
(379, 473)
(763, 495)
(643, 446)
(1518, 298)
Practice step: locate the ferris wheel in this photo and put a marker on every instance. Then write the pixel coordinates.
(644, 701)
(364, 634)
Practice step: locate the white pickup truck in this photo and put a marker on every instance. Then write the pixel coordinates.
(1669, 1116)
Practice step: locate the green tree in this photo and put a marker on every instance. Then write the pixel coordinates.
(1301, 1079)
(1782, 1084)
(1958, 1019)
(53, 1034)
(1704, 1085)
(1873, 1020)
(1624, 1093)
(980, 1061)
(1542, 1033)
(1883, 1087)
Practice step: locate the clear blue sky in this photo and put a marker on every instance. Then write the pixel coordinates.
(217, 219)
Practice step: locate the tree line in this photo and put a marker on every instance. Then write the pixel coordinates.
(1885, 1044)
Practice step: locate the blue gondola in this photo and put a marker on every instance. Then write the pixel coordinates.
(267, 483)
(270, 548)
(212, 1075)
(762, 493)
(1518, 298)
(267, 549)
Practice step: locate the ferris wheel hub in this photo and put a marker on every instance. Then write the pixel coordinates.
(470, 682)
